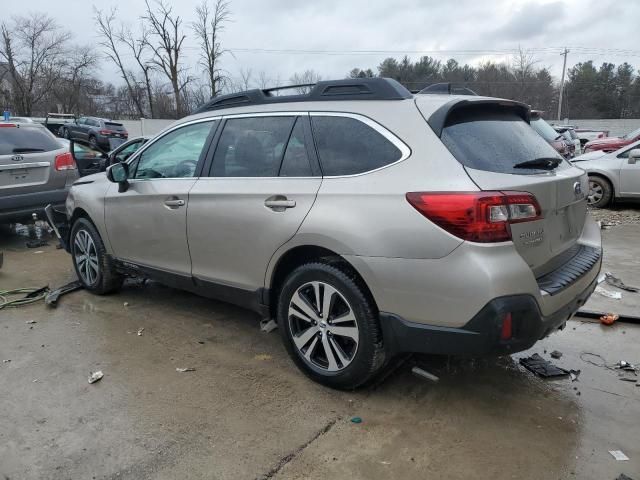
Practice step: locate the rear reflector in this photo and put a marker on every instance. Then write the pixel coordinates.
(506, 331)
(64, 161)
(482, 217)
(8, 125)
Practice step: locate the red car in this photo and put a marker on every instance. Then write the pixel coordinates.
(611, 144)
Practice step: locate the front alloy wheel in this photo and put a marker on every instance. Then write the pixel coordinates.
(323, 326)
(86, 257)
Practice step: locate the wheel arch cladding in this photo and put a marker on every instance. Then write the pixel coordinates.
(300, 255)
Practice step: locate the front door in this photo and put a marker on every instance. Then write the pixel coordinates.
(262, 184)
(147, 224)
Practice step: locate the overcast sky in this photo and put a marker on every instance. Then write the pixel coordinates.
(468, 30)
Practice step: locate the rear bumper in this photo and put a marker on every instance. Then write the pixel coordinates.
(481, 335)
(20, 207)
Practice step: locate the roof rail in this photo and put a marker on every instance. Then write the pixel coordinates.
(348, 89)
(447, 89)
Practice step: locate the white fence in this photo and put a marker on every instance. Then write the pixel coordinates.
(616, 127)
(144, 126)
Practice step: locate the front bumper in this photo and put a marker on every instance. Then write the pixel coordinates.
(481, 335)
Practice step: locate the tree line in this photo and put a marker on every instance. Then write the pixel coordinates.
(42, 70)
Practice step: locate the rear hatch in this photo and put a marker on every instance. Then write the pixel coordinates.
(27, 156)
(115, 130)
(501, 152)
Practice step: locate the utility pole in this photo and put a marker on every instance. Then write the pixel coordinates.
(564, 68)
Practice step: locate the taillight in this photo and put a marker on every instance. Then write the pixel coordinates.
(105, 132)
(8, 125)
(482, 217)
(506, 330)
(64, 161)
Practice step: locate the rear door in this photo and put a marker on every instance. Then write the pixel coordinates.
(27, 156)
(500, 151)
(629, 173)
(262, 184)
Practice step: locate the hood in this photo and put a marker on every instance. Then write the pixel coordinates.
(589, 156)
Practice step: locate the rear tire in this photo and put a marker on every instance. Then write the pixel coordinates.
(330, 326)
(65, 133)
(94, 267)
(93, 143)
(600, 192)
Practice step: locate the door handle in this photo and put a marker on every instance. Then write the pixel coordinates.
(279, 203)
(174, 202)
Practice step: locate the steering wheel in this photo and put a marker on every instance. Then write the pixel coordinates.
(186, 168)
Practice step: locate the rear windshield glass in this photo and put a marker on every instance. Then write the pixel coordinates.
(114, 126)
(494, 141)
(26, 140)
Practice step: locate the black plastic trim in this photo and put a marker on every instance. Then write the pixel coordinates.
(564, 276)
(481, 335)
(347, 89)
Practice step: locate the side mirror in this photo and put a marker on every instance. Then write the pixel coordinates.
(119, 173)
(634, 155)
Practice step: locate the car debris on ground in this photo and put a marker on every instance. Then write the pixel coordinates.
(95, 376)
(619, 455)
(268, 325)
(614, 281)
(420, 372)
(140, 330)
(556, 354)
(187, 369)
(608, 293)
(543, 368)
(609, 318)
(51, 299)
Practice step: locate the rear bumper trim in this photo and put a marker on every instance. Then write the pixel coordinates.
(582, 262)
(481, 335)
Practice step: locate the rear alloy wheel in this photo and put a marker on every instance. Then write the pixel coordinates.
(330, 326)
(93, 143)
(65, 133)
(95, 269)
(600, 192)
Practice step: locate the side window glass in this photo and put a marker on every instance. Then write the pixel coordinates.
(252, 147)
(176, 154)
(347, 146)
(129, 150)
(296, 161)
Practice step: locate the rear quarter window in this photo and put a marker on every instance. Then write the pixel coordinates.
(347, 146)
(26, 140)
(494, 141)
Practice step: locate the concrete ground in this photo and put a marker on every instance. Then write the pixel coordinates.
(246, 412)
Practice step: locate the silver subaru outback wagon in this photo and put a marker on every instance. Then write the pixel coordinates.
(366, 220)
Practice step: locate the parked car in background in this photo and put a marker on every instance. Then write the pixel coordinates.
(98, 132)
(586, 135)
(571, 137)
(353, 215)
(611, 144)
(35, 170)
(612, 176)
(55, 122)
(546, 131)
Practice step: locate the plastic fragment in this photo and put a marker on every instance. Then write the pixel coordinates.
(187, 369)
(140, 330)
(268, 325)
(95, 376)
(556, 354)
(608, 293)
(619, 455)
(609, 318)
(30, 322)
(614, 281)
(356, 420)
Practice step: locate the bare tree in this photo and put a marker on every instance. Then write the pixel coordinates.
(138, 47)
(305, 78)
(245, 78)
(32, 47)
(208, 28)
(166, 29)
(523, 66)
(107, 31)
(75, 79)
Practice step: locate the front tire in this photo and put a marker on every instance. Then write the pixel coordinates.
(330, 326)
(600, 192)
(95, 269)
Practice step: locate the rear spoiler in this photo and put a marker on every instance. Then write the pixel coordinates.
(438, 119)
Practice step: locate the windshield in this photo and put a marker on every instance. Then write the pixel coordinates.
(545, 130)
(632, 135)
(495, 140)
